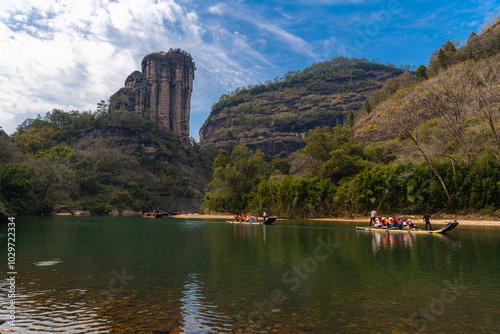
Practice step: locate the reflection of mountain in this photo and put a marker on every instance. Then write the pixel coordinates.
(199, 316)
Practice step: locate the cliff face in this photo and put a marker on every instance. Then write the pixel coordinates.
(163, 88)
(277, 116)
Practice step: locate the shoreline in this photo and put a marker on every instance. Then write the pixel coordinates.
(358, 220)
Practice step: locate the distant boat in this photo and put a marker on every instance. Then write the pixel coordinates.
(267, 221)
(448, 227)
(158, 215)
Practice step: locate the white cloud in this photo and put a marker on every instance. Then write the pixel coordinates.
(59, 57)
(277, 34)
(216, 9)
(297, 43)
(72, 54)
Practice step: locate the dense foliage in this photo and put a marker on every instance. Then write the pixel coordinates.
(98, 162)
(355, 184)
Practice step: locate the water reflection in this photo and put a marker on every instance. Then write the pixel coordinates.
(246, 231)
(192, 225)
(199, 316)
(394, 241)
(47, 263)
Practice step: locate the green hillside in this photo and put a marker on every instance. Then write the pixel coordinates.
(452, 112)
(427, 142)
(100, 162)
(275, 117)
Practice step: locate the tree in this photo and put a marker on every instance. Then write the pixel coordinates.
(234, 178)
(340, 154)
(442, 61)
(27, 124)
(488, 94)
(35, 139)
(421, 73)
(450, 46)
(318, 143)
(491, 22)
(342, 163)
(452, 99)
(368, 107)
(54, 176)
(102, 108)
(7, 148)
(351, 119)
(407, 125)
(19, 189)
(59, 118)
(281, 165)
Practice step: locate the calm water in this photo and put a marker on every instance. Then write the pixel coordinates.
(135, 275)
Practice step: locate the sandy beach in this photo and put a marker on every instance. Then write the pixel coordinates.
(364, 220)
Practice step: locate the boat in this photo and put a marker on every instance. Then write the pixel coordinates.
(158, 215)
(267, 221)
(446, 228)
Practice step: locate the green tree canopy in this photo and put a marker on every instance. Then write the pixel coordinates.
(421, 73)
(341, 154)
(320, 142)
(281, 165)
(368, 107)
(234, 178)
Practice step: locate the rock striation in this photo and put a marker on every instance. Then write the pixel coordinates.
(163, 90)
(275, 117)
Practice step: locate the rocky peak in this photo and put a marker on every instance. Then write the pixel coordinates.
(163, 87)
(134, 79)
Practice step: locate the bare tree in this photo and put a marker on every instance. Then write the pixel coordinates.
(487, 75)
(408, 125)
(452, 99)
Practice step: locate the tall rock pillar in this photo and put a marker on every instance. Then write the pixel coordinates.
(164, 88)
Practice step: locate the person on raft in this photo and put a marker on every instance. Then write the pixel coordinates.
(427, 221)
(373, 214)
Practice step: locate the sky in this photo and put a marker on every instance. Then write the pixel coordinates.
(71, 54)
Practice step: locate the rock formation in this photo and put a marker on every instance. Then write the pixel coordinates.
(277, 116)
(163, 88)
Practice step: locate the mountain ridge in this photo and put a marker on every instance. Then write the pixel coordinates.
(276, 117)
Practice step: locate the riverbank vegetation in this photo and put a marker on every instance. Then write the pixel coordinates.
(335, 176)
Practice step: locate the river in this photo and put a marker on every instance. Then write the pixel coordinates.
(134, 275)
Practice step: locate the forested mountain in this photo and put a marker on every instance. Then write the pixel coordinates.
(99, 162)
(423, 142)
(275, 117)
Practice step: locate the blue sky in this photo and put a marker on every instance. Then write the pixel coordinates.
(71, 54)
